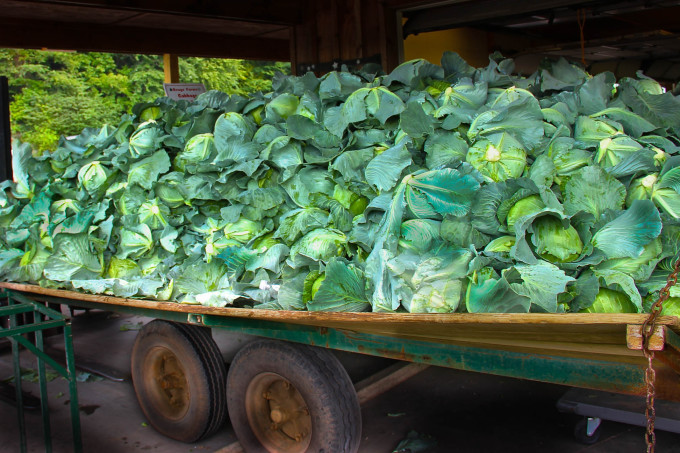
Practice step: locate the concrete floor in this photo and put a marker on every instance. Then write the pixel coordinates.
(460, 411)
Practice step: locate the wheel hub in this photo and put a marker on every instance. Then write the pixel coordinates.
(168, 383)
(278, 414)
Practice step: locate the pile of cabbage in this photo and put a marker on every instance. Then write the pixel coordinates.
(435, 188)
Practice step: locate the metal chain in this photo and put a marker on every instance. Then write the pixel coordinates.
(650, 375)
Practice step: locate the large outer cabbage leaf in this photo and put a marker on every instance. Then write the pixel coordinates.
(146, 171)
(541, 283)
(320, 244)
(440, 192)
(444, 148)
(384, 170)
(73, 259)
(487, 293)
(628, 234)
(341, 290)
(592, 190)
(662, 109)
(515, 112)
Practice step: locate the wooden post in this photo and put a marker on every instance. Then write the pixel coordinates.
(5, 132)
(171, 68)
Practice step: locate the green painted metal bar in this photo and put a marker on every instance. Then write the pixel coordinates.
(14, 333)
(47, 311)
(42, 379)
(28, 328)
(589, 373)
(17, 383)
(73, 389)
(15, 310)
(44, 356)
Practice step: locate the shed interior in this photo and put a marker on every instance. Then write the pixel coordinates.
(619, 35)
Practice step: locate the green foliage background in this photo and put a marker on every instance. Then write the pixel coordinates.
(60, 93)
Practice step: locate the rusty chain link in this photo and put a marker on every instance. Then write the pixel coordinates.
(650, 375)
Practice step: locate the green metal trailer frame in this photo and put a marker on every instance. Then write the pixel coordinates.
(580, 350)
(43, 318)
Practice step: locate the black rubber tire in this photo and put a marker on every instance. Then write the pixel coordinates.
(581, 432)
(319, 378)
(203, 368)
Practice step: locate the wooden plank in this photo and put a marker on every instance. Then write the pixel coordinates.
(279, 12)
(567, 320)
(101, 38)
(389, 378)
(328, 44)
(605, 27)
(636, 341)
(343, 30)
(516, 342)
(351, 31)
(171, 68)
(535, 319)
(372, 34)
(566, 331)
(566, 335)
(612, 353)
(392, 44)
(304, 44)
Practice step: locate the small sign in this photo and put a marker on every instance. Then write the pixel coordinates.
(183, 91)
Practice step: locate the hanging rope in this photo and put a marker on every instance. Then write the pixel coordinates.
(581, 19)
(650, 375)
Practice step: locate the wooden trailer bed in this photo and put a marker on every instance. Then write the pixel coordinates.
(599, 351)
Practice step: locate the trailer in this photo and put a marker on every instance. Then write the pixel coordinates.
(286, 392)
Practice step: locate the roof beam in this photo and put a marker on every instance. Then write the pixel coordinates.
(469, 12)
(99, 38)
(413, 5)
(282, 12)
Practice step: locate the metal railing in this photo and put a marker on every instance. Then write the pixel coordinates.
(43, 318)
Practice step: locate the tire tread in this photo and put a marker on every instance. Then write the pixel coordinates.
(196, 341)
(210, 355)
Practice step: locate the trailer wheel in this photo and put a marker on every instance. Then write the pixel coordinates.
(291, 398)
(179, 379)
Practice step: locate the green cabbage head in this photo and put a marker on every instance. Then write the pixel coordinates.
(610, 301)
(498, 157)
(554, 242)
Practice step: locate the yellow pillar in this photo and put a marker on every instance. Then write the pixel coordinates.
(171, 68)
